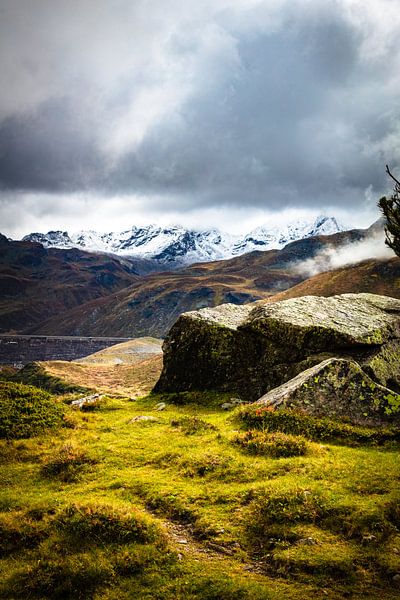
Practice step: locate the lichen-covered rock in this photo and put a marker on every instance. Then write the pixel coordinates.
(254, 348)
(337, 388)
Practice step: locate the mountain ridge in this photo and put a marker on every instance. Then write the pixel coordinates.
(178, 246)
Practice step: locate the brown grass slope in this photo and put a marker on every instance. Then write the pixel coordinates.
(37, 283)
(373, 276)
(151, 305)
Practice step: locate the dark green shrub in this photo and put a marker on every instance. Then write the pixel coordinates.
(315, 428)
(106, 525)
(191, 425)
(67, 464)
(275, 444)
(26, 411)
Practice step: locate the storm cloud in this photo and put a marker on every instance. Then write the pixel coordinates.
(258, 103)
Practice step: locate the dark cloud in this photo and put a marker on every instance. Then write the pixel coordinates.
(294, 105)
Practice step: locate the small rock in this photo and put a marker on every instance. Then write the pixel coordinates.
(227, 406)
(85, 400)
(236, 401)
(396, 578)
(143, 418)
(182, 541)
(160, 406)
(308, 541)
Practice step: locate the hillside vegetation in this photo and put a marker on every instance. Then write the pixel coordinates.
(198, 503)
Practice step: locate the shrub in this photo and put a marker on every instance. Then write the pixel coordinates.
(315, 428)
(275, 445)
(67, 464)
(106, 525)
(26, 411)
(191, 425)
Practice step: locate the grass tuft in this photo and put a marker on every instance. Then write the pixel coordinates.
(192, 425)
(276, 444)
(68, 464)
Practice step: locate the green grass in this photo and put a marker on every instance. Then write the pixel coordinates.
(98, 511)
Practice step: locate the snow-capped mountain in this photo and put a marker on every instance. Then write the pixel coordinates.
(183, 246)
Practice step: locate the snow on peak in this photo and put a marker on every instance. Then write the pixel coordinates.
(175, 244)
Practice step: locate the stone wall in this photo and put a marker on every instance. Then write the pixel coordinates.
(19, 350)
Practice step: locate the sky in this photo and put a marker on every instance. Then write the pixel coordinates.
(227, 113)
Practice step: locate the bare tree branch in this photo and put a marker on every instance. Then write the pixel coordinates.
(390, 175)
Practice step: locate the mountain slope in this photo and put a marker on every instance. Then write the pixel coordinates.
(37, 283)
(372, 275)
(151, 305)
(177, 245)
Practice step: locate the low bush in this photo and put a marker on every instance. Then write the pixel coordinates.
(106, 525)
(275, 445)
(191, 425)
(26, 411)
(67, 464)
(315, 428)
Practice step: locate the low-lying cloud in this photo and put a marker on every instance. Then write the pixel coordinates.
(335, 257)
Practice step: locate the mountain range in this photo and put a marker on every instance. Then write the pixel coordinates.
(52, 291)
(177, 246)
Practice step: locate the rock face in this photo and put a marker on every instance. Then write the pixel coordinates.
(337, 388)
(254, 348)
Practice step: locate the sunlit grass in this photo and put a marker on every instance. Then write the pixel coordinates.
(323, 524)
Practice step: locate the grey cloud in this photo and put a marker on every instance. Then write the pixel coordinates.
(280, 112)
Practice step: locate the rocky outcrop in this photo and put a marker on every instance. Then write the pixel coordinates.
(337, 388)
(254, 348)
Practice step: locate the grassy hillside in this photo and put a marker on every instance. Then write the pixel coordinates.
(373, 276)
(151, 305)
(37, 283)
(126, 353)
(193, 506)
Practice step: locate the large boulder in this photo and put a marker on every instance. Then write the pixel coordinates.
(337, 388)
(254, 348)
